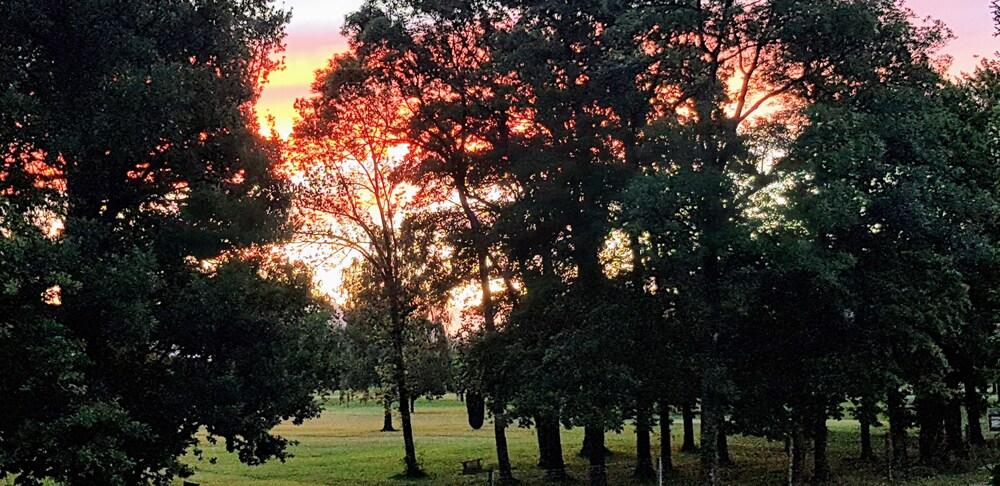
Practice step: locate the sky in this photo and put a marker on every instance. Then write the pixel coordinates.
(314, 36)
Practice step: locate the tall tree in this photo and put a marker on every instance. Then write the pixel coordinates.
(721, 67)
(348, 146)
(438, 57)
(977, 104)
(159, 313)
(900, 200)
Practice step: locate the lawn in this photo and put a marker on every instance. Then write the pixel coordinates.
(344, 446)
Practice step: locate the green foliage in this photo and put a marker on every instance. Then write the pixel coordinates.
(772, 207)
(367, 346)
(156, 311)
(475, 408)
(801, 206)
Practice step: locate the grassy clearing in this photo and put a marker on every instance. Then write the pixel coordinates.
(344, 446)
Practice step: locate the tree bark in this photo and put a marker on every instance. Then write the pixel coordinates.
(500, 437)
(550, 453)
(797, 453)
(713, 383)
(897, 427)
(598, 469)
(643, 449)
(556, 470)
(666, 457)
(723, 447)
(687, 412)
(399, 372)
(543, 442)
(821, 464)
(387, 420)
(974, 411)
(953, 427)
(867, 453)
(866, 416)
(711, 416)
(591, 436)
(930, 416)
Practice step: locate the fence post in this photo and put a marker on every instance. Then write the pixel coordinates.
(659, 471)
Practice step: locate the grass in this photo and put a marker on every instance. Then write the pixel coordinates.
(344, 446)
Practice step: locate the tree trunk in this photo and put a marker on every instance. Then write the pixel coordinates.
(797, 453)
(643, 450)
(974, 411)
(543, 442)
(821, 464)
(867, 454)
(550, 449)
(591, 436)
(500, 436)
(598, 470)
(930, 416)
(687, 412)
(866, 416)
(413, 404)
(953, 427)
(399, 372)
(723, 446)
(897, 427)
(710, 420)
(666, 458)
(387, 420)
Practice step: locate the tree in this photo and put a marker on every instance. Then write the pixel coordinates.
(438, 58)
(347, 146)
(366, 339)
(722, 66)
(367, 335)
(156, 310)
(428, 360)
(995, 4)
(678, 179)
(575, 85)
(898, 185)
(979, 95)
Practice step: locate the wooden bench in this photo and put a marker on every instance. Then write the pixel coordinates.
(993, 442)
(473, 466)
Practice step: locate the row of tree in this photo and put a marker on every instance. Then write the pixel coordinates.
(760, 209)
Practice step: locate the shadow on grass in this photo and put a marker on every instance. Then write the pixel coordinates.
(418, 476)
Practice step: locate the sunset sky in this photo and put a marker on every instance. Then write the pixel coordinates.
(314, 36)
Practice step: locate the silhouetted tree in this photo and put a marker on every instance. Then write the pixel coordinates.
(157, 311)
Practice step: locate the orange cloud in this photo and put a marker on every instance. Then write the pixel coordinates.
(305, 53)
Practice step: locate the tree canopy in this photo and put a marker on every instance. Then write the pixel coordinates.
(770, 213)
(140, 301)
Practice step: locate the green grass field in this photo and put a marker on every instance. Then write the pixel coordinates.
(344, 446)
